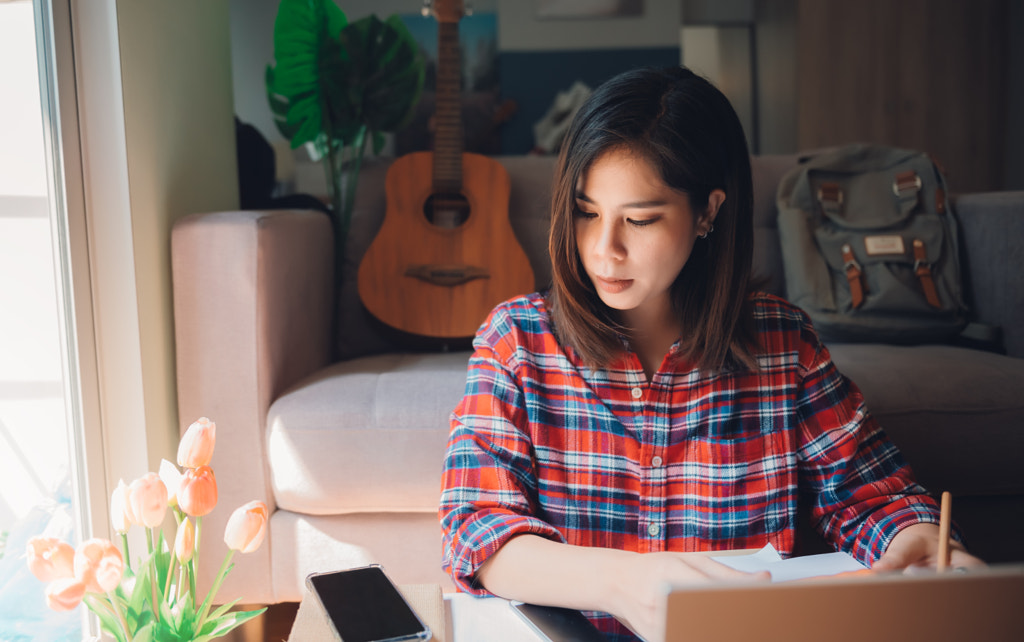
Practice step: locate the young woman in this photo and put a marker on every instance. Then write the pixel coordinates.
(652, 405)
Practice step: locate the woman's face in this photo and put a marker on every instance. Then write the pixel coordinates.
(634, 234)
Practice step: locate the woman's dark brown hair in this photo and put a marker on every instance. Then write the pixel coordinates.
(688, 131)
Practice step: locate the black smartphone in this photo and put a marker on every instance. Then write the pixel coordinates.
(364, 605)
(559, 625)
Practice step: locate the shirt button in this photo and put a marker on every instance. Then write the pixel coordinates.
(637, 393)
(653, 530)
(655, 461)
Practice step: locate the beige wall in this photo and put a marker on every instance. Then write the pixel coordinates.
(179, 139)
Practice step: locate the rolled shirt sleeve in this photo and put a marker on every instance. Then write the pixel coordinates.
(864, 492)
(489, 486)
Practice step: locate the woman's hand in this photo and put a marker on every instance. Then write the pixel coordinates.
(640, 591)
(917, 546)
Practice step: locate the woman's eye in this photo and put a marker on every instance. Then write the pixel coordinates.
(583, 214)
(641, 222)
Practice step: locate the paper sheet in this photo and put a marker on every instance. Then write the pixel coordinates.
(794, 568)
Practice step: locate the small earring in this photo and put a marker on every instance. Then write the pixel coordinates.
(711, 228)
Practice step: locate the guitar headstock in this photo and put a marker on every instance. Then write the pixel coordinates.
(447, 10)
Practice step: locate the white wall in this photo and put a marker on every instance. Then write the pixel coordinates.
(178, 157)
(519, 29)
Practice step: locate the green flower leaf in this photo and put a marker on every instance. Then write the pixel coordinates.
(222, 609)
(145, 634)
(107, 619)
(137, 609)
(216, 627)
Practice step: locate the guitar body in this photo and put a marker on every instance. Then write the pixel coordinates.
(440, 280)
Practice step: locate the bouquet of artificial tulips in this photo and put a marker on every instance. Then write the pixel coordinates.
(154, 599)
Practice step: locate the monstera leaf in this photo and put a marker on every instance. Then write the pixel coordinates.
(309, 61)
(384, 72)
(334, 82)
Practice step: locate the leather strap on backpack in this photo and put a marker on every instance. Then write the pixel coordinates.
(853, 275)
(923, 271)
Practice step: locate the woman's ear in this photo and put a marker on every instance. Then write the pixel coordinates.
(715, 200)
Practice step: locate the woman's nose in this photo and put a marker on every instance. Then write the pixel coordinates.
(609, 243)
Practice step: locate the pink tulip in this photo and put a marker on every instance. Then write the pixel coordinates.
(98, 565)
(50, 559)
(246, 527)
(172, 480)
(120, 515)
(147, 499)
(196, 446)
(197, 494)
(185, 541)
(64, 594)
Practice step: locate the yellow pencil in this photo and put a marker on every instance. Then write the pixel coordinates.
(944, 526)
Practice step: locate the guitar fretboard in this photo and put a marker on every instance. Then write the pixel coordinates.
(447, 172)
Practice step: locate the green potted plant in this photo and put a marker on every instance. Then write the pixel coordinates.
(338, 85)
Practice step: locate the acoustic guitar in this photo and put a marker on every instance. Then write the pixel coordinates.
(446, 253)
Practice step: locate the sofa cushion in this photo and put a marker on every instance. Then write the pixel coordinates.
(956, 414)
(367, 434)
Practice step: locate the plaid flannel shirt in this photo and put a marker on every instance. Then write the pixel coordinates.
(685, 462)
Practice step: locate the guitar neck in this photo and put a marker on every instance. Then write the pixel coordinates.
(447, 171)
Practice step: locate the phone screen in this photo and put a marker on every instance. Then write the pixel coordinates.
(365, 606)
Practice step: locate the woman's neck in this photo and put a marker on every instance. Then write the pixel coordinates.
(651, 336)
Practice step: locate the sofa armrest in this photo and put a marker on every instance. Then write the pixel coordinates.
(992, 226)
(253, 293)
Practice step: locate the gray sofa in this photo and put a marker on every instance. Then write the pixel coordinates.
(347, 454)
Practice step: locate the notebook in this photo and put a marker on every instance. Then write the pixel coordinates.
(984, 604)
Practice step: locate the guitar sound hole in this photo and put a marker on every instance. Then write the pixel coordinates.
(447, 210)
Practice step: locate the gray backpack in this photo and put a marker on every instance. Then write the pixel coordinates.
(869, 246)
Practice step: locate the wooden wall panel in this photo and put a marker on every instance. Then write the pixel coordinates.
(922, 74)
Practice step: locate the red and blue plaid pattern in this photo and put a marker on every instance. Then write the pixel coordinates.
(687, 462)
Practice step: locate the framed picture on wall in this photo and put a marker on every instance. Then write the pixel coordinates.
(589, 8)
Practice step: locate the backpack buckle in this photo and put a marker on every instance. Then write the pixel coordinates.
(906, 181)
(830, 195)
(830, 192)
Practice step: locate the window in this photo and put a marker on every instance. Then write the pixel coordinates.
(40, 426)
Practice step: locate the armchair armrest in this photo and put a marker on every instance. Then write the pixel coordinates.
(253, 295)
(992, 234)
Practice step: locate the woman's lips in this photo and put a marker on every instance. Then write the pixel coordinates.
(612, 286)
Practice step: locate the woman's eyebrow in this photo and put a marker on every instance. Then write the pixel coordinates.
(636, 205)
